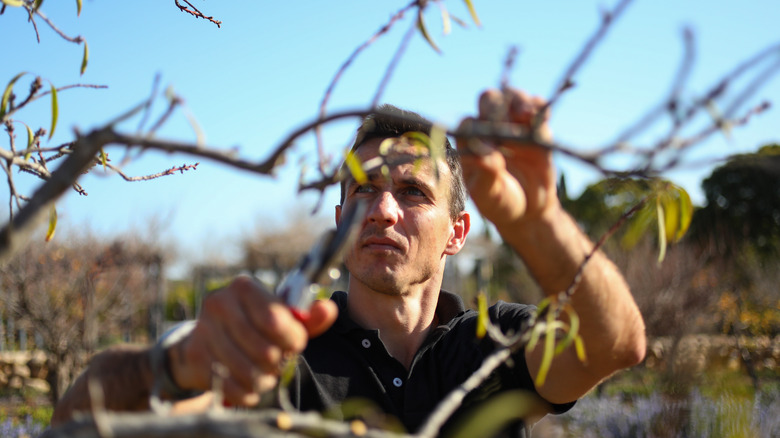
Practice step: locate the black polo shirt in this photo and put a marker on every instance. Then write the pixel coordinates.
(349, 362)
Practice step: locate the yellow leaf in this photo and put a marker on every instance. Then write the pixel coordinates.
(103, 158)
(85, 58)
(30, 139)
(424, 31)
(473, 12)
(52, 223)
(445, 19)
(548, 353)
(671, 208)
(661, 231)
(54, 111)
(579, 346)
(355, 168)
(482, 315)
(78, 7)
(13, 2)
(637, 226)
(7, 94)
(686, 213)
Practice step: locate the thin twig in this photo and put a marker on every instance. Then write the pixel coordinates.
(196, 13)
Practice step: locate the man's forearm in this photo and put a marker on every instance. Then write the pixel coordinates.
(610, 322)
(124, 376)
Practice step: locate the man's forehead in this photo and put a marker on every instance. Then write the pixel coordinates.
(395, 151)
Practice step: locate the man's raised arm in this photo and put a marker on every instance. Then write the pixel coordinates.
(514, 186)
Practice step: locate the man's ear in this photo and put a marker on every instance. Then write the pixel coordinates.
(460, 229)
(338, 215)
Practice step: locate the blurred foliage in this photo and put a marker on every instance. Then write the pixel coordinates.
(743, 205)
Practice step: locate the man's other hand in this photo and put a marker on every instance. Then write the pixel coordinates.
(510, 181)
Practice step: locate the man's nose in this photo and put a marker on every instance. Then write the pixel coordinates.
(384, 209)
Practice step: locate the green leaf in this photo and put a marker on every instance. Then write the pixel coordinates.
(85, 58)
(30, 139)
(37, 5)
(78, 8)
(571, 332)
(637, 226)
(54, 111)
(482, 315)
(103, 158)
(355, 168)
(661, 230)
(549, 350)
(686, 213)
(52, 223)
(489, 417)
(424, 31)
(473, 12)
(7, 94)
(671, 211)
(579, 346)
(13, 2)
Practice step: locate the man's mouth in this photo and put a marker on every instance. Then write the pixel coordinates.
(381, 243)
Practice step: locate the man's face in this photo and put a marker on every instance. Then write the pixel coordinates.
(408, 229)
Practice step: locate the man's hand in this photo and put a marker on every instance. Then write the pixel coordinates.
(250, 333)
(510, 182)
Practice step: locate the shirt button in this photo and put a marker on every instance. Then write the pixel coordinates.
(398, 382)
(366, 343)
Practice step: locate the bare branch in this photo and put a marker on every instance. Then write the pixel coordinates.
(196, 13)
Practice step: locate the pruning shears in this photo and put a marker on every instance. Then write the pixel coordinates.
(297, 288)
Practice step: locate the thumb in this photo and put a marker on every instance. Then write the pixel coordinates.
(322, 314)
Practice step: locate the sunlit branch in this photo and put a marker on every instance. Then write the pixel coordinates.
(196, 13)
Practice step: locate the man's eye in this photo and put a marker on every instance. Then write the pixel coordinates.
(414, 191)
(365, 188)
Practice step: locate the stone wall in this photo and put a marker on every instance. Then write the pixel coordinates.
(23, 369)
(27, 369)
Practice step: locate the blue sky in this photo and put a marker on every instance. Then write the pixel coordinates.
(265, 71)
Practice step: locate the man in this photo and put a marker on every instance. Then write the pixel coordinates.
(395, 337)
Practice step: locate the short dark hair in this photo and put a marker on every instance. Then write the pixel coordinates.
(389, 121)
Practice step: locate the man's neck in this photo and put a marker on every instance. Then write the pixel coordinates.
(403, 321)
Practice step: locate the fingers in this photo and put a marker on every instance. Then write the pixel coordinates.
(243, 337)
(515, 106)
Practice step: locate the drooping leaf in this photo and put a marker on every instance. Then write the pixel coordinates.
(495, 413)
(445, 19)
(473, 12)
(355, 168)
(661, 231)
(671, 211)
(637, 226)
(54, 111)
(7, 94)
(30, 140)
(424, 31)
(16, 3)
(579, 346)
(52, 223)
(549, 350)
(78, 7)
(571, 332)
(85, 59)
(686, 213)
(482, 315)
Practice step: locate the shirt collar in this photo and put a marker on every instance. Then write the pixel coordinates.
(448, 307)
